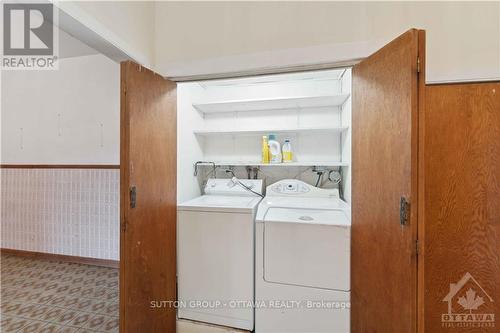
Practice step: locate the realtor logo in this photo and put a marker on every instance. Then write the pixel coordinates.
(29, 37)
(469, 305)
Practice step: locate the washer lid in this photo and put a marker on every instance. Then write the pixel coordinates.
(221, 203)
(274, 208)
(332, 217)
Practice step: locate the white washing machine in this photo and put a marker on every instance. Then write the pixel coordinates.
(215, 257)
(302, 260)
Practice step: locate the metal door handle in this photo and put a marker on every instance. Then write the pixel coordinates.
(404, 211)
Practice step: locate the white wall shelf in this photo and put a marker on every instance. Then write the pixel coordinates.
(271, 131)
(292, 103)
(291, 164)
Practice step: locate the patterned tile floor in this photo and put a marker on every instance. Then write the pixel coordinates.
(50, 296)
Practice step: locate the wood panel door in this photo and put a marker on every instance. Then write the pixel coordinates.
(461, 235)
(147, 200)
(384, 172)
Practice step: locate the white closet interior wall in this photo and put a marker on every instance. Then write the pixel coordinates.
(322, 135)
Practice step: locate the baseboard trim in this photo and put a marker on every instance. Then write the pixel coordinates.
(63, 257)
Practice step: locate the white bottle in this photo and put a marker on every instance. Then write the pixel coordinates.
(274, 149)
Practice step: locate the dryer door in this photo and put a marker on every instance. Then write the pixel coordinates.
(306, 247)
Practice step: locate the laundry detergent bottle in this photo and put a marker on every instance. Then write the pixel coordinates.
(274, 149)
(287, 152)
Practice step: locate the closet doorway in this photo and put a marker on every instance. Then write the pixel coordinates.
(392, 76)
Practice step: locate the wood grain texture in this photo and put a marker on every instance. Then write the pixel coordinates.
(59, 166)
(385, 139)
(462, 198)
(148, 238)
(63, 257)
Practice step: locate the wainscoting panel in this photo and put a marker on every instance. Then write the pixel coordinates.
(62, 211)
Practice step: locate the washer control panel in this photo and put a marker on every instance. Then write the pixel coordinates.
(297, 188)
(231, 187)
(290, 187)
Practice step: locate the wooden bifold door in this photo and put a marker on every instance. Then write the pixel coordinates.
(148, 201)
(425, 253)
(384, 187)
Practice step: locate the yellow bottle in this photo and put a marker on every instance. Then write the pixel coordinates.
(265, 150)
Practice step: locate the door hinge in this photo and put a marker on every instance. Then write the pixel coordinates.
(418, 64)
(133, 196)
(404, 211)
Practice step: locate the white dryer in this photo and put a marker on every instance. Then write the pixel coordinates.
(215, 244)
(302, 260)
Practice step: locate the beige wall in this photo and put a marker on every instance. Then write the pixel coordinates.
(463, 39)
(190, 38)
(71, 115)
